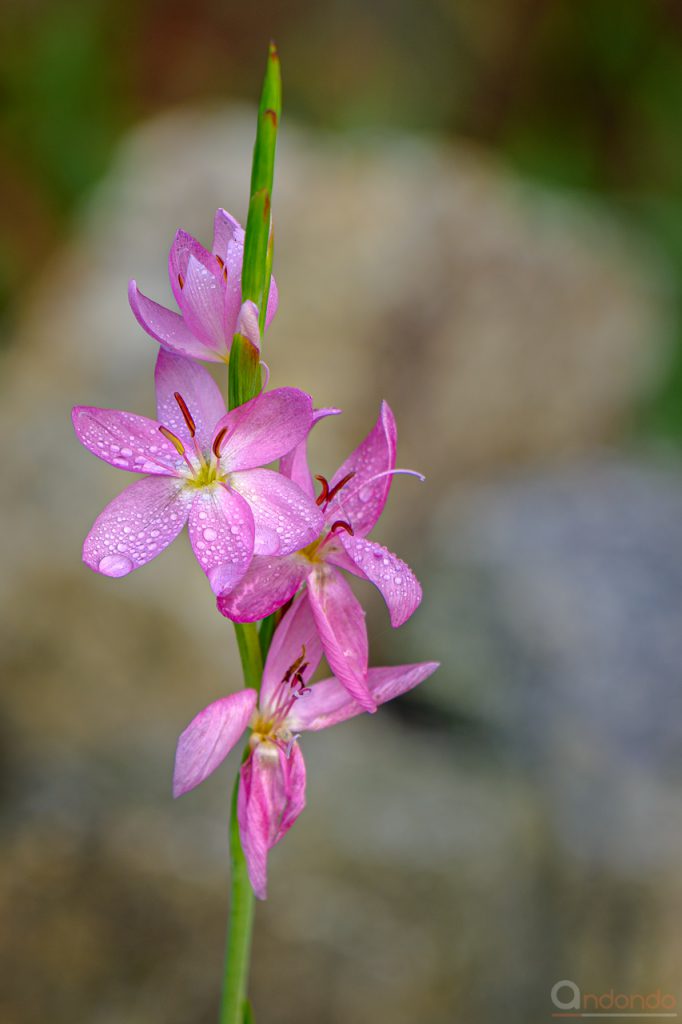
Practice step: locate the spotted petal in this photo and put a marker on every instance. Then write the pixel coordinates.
(167, 327)
(198, 390)
(286, 520)
(125, 440)
(396, 582)
(340, 621)
(221, 531)
(361, 501)
(329, 703)
(265, 428)
(136, 526)
(209, 738)
(268, 584)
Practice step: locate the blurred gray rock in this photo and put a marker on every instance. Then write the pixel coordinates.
(554, 604)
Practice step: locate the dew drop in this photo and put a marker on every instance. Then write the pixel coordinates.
(127, 452)
(115, 565)
(210, 534)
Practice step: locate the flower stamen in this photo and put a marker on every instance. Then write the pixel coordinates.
(177, 444)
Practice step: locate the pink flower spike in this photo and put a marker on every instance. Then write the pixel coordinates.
(398, 585)
(271, 796)
(340, 621)
(329, 703)
(209, 738)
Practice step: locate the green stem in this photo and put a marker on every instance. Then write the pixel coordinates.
(234, 1005)
(249, 652)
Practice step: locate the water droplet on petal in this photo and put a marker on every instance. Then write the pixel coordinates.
(209, 534)
(127, 452)
(115, 565)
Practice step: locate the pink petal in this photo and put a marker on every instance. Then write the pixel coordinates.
(296, 634)
(268, 584)
(227, 232)
(329, 702)
(360, 501)
(271, 796)
(167, 327)
(295, 464)
(265, 428)
(201, 302)
(184, 246)
(136, 526)
(341, 624)
(201, 395)
(221, 531)
(125, 440)
(286, 520)
(247, 323)
(398, 585)
(210, 737)
(228, 243)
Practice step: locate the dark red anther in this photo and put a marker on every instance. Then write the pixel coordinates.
(341, 524)
(324, 494)
(181, 281)
(223, 267)
(175, 441)
(296, 667)
(217, 443)
(342, 483)
(187, 416)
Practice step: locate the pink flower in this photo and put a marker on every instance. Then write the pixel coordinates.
(352, 503)
(273, 777)
(207, 288)
(202, 468)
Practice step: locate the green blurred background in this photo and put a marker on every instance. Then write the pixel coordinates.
(582, 95)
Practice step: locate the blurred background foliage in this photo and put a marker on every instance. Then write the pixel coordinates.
(581, 95)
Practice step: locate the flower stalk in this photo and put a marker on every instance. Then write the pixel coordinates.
(244, 383)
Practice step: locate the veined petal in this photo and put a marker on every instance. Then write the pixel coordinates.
(340, 622)
(329, 702)
(265, 428)
(271, 796)
(286, 520)
(268, 584)
(167, 327)
(295, 464)
(362, 500)
(125, 440)
(227, 231)
(136, 526)
(296, 635)
(396, 582)
(198, 390)
(209, 738)
(184, 246)
(221, 531)
(201, 302)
